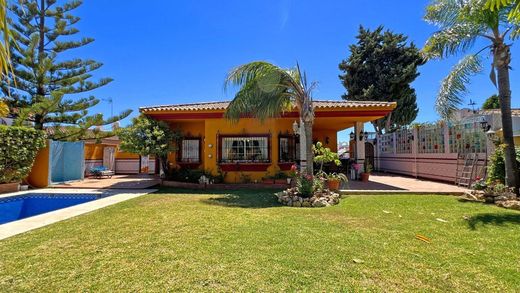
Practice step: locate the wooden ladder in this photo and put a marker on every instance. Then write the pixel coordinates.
(465, 169)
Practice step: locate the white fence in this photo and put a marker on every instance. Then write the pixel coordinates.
(431, 151)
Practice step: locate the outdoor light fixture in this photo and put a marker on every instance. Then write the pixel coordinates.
(485, 125)
(492, 135)
(352, 135)
(363, 135)
(295, 127)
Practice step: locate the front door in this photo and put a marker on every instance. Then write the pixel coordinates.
(109, 158)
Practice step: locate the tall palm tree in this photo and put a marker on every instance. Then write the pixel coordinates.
(514, 14)
(461, 24)
(266, 91)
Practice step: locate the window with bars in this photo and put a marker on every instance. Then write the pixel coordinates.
(288, 148)
(190, 150)
(245, 149)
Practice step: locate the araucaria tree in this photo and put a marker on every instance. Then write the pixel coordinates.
(461, 24)
(44, 72)
(149, 137)
(381, 67)
(267, 90)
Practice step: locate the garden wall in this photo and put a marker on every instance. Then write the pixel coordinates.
(431, 152)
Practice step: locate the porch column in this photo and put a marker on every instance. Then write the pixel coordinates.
(360, 145)
(303, 148)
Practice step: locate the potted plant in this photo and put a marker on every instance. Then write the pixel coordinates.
(280, 178)
(366, 172)
(334, 180)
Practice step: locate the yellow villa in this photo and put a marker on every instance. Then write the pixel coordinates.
(251, 147)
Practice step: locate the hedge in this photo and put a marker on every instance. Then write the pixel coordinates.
(18, 149)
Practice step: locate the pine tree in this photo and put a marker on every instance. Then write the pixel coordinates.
(43, 78)
(381, 67)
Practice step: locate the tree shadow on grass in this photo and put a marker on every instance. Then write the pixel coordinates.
(493, 219)
(243, 198)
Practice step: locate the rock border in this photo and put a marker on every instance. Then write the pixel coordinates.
(291, 198)
(506, 200)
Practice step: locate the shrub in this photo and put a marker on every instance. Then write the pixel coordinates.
(497, 168)
(18, 149)
(305, 185)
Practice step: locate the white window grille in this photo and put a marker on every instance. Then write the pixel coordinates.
(190, 151)
(245, 149)
(387, 143)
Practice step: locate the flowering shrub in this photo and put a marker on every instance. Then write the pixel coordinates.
(480, 184)
(305, 184)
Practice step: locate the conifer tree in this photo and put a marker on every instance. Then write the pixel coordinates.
(46, 87)
(381, 67)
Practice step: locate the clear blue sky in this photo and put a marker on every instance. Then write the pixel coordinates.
(165, 52)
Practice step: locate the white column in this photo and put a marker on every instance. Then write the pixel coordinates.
(360, 145)
(446, 134)
(415, 149)
(303, 147)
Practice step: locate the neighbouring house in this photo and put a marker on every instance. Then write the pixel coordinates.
(105, 152)
(251, 148)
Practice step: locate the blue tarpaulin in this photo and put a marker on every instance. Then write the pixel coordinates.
(66, 161)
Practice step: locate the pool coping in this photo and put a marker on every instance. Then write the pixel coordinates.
(115, 196)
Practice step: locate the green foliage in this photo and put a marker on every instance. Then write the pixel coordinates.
(18, 149)
(492, 102)
(337, 176)
(44, 72)
(367, 167)
(305, 184)
(454, 86)
(188, 175)
(514, 13)
(381, 67)
(461, 24)
(266, 90)
(4, 109)
(496, 166)
(323, 155)
(146, 136)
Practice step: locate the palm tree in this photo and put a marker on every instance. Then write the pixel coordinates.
(461, 24)
(266, 91)
(514, 14)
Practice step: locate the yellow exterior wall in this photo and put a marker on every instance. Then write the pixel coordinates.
(39, 176)
(94, 151)
(209, 130)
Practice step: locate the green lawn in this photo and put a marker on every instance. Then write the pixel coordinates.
(245, 241)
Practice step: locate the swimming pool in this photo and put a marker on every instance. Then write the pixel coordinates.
(31, 204)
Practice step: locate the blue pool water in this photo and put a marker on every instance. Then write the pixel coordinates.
(32, 204)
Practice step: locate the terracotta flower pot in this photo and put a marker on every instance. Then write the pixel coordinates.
(364, 177)
(333, 185)
(9, 187)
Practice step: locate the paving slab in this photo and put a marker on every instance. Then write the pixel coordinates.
(391, 183)
(116, 182)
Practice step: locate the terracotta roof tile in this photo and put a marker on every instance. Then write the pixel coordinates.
(514, 112)
(223, 105)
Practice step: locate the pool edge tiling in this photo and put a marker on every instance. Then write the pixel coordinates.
(110, 197)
